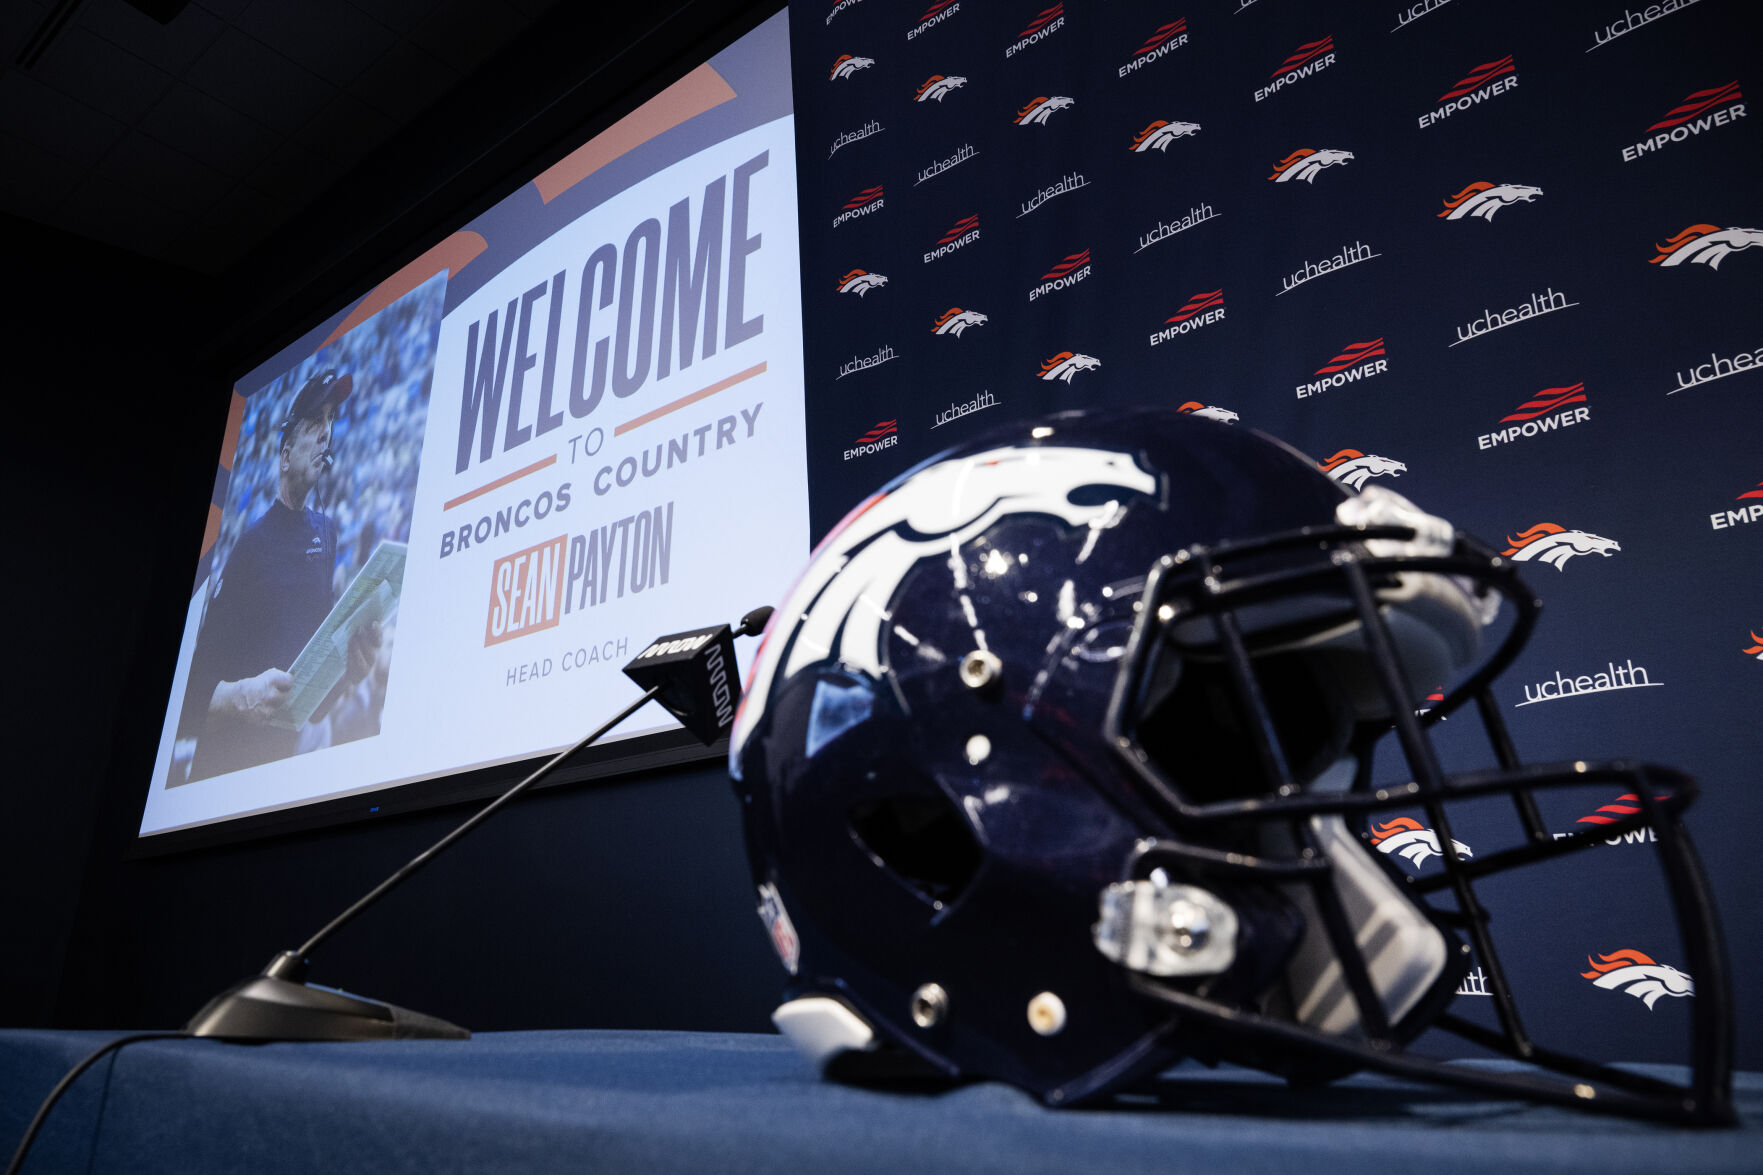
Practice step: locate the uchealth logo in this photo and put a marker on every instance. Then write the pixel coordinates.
(1547, 411)
(1705, 244)
(1414, 842)
(847, 65)
(1209, 412)
(885, 435)
(1039, 110)
(1550, 543)
(1353, 468)
(1306, 163)
(862, 204)
(954, 320)
(1635, 973)
(1722, 519)
(1203, 309)
(1067, 364)
(1046, 22)
(1702, 111)
(861, 281)
(1306, 61)
(1482, 199)
(1356, 362)
(1611, 677)
(964, 232)
(1072, 269)
(1718, 367)
(1487, 80)
(1160, 134)
(933, 16)
(937, 87)
(1169, 37)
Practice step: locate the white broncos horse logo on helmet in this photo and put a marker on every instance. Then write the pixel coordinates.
(1352, 468)
(837, 610)
(1637, 974)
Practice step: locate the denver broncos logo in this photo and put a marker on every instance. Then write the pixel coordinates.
(1160, 134)
(1305, 162)
(1637, 974)
(847, 65)
(1705, 244)
(954, 320)
(1209, 412)
(1484, 199)
(1547, 543)
(1353, 468)
(861, 281)
(1756, 649)
(1041, 109)
(936, 86)
(1412, 840)
(868, 555)
(1067, 364)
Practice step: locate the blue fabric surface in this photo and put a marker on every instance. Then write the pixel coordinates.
(663, 1102)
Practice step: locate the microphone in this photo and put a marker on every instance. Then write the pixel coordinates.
(691, 673)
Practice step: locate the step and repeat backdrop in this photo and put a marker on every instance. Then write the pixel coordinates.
(1504, 258)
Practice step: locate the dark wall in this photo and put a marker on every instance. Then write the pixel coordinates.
(612, 905)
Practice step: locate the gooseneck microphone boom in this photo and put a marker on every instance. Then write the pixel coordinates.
(692, 674)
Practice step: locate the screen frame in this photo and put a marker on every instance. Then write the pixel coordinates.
(581, 108)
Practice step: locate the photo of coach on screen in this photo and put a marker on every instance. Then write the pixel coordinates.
(273, 591)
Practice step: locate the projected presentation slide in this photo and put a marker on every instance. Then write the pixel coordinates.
(446, 518)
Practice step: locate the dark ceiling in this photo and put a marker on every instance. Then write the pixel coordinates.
(190, 141)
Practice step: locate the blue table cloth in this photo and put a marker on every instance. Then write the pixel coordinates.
(664, 1102)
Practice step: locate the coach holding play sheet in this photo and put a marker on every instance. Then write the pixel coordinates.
(272, 593)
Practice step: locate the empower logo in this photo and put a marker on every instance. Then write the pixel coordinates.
(1637, 974)
(965, 232)
(936, 14)
(1306, 162)
(1306, 60)
(1066, 364)
(1160, 134)
(862, 204)
(954, 320)
(861, 281)
(1039, 110)
(847, 65)
(1544, 412)
(937, 87)
(1483, 199)
(1621, 808)
(1358, 361)
(1352, 468)
(1070, 270)
(1547, 542)
(1721, 519)
(840, 7)
(1705, 244)
(885, 435)
(1169, 37)
(1414, 842)
(1203, 309)
(1702, 111)
(1487, 80)
(1209, 412)
(1046, 22)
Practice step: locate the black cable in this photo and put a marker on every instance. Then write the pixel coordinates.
(62, 1086)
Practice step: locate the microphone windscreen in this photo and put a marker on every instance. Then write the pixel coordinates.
(696, 672)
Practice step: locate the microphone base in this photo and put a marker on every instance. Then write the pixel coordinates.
(266, 1007)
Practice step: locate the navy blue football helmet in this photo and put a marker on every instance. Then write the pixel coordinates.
(1056, 768)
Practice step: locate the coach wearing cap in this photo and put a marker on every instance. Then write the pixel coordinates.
(268, 599)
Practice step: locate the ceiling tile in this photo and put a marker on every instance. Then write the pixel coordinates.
(97, 72)
(249, 76)
(171, 47)
(141, 163)
(40, 114)
(332, 38)
(463, 34)
(345, 130)
(209, 131)
(405, 82)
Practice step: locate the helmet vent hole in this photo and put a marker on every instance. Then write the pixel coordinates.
(922, 841)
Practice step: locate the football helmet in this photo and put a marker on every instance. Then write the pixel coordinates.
(1056, 767)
